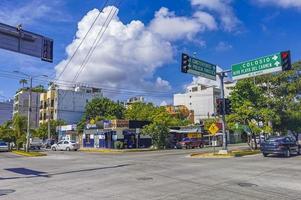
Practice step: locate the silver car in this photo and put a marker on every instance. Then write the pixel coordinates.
(65, 145)
(3, 146)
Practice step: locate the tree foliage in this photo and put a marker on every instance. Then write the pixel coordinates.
(42, 131)
(268, 103)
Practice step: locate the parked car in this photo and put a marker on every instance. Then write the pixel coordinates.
(48, 143)
(190, 143)
(4, 146)
(284, 145)
(65, 145)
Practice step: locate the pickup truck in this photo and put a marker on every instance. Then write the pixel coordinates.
(35, 143)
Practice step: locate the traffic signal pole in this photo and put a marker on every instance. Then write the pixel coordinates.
(222, 75)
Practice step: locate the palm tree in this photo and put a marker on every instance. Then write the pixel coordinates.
(23, 82)
(19, 127)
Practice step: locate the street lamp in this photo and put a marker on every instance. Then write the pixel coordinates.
(29, 104)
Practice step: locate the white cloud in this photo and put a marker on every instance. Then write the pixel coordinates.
(162, 84)
(223, 8)
(172, 27)
(223, 46)
(127, 56)
(282, 3)
(206, 81)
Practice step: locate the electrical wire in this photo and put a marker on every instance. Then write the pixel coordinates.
(80, 44)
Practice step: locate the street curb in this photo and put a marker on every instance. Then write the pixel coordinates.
(29, 154)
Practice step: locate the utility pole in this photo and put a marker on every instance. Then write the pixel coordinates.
(28, 115)
(48, 116)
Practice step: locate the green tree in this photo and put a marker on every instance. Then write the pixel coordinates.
(140, 111)
(42, 131)
(6, 132)
(19, 125)
(104, 108)
(158, 130)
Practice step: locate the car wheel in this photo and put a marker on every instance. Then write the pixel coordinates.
(265, 154)
(68, 149)
(53, 149)
(287, 153)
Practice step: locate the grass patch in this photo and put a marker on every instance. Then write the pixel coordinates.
(241, 153)
(231, 154)
(114, 150)
(28, 154)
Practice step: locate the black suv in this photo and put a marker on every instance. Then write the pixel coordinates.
(282, 145)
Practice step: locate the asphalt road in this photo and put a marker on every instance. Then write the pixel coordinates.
(148, 175)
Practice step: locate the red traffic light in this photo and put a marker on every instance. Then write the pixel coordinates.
(284, 55)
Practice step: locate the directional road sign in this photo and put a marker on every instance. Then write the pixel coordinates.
(25, 42)
(259, 66)
(213, 129)
(198, 67)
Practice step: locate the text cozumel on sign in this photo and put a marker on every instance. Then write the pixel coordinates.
(259, 66)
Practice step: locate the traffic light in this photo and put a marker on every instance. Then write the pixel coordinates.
(286, 60)
(219, 106)
(185, 63)
(228, 107)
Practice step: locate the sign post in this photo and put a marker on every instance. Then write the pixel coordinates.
(18, 40)
(213, 129)
(198, 67)
(280, 61)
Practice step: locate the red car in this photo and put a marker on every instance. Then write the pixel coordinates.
(189, 143)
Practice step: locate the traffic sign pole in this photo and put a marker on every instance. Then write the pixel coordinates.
(222, 75)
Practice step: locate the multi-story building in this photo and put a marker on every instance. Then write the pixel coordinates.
(6, 111)
(20, 106)
(66, 105)
(199, 98)
(132, 100)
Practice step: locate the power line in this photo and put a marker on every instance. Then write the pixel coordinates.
(74, 53)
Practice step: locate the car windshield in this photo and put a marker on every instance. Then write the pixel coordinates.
(275, 139)
(72, 141)
(2, 143)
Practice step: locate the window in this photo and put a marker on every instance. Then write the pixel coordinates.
(61, 142)
(52, 102)
(194, 89)
(66, 142)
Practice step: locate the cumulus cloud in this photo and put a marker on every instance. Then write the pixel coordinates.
(172, 27)
(282, 3)
(206, 81)
(229, 21)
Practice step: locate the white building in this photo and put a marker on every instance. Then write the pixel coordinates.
(132, 100)
(66, 105)
(20, 107)
(199, 98)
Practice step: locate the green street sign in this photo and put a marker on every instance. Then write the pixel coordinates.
(202, 68)
(256, 67)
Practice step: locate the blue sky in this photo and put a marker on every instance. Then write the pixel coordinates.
(154, 34)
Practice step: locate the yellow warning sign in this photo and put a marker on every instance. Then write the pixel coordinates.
(213, 129)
